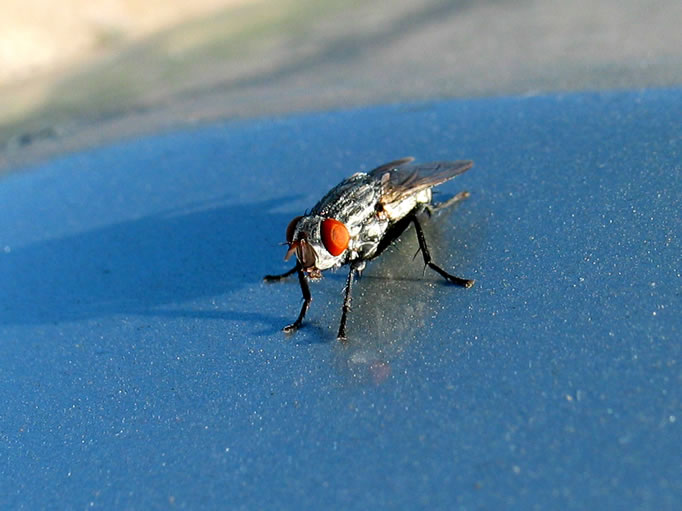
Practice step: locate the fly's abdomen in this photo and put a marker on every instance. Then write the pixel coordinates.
(399, 209)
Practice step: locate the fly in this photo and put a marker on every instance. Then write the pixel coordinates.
(359, 218)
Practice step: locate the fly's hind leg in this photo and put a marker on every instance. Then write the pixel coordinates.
(427, 258)
(435, 208)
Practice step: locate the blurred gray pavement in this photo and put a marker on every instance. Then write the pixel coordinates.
(290, 56)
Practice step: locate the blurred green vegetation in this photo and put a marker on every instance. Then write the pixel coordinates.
(193, 57)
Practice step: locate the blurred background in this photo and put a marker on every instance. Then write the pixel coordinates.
(142, 364)
(77, 73)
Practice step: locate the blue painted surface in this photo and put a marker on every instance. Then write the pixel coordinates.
(142, 366)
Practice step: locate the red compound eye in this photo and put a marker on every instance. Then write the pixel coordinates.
(291, 228)
(335, 236)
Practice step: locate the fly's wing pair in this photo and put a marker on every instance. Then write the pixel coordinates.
(399, 178)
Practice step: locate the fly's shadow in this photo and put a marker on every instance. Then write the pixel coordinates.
(139, 266)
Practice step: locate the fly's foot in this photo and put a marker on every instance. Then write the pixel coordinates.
(458, 281)
(341, 336)
(465, 282)
(290, 329)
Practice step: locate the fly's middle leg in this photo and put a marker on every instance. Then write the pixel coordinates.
(427, 259)
(346, 303)
(307, 298)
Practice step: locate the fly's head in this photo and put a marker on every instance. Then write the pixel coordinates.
(319, 243)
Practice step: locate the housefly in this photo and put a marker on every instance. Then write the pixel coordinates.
(359, 218)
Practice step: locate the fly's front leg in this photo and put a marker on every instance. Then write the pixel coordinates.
(277, 278)
(346, 302)
(307, 298)
(427, 259)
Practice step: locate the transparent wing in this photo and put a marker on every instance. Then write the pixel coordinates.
(391, 165)
(398, 181)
